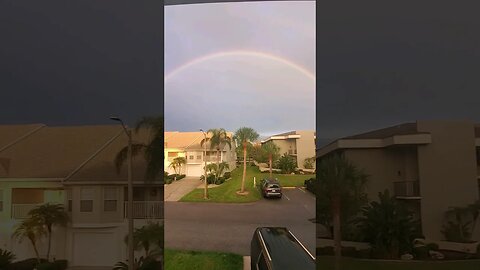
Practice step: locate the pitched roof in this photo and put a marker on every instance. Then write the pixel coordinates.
(53, 152)
(187, 140)
(11, 134)
(101, 167)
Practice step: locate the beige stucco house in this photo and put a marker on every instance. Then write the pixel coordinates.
(299, 144)
(188, 145)
(428, 165)
(73, 166)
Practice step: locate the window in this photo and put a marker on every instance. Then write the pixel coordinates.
(191, 157)
(199, 156)
(86, 199)
(69, 200)
(1, 200)
(109, 199)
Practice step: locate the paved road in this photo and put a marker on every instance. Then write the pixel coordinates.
(229, 227)
(176, 190)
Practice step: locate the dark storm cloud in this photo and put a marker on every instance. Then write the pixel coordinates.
(380, 65)
(78, 62)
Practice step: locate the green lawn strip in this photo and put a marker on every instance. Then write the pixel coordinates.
(201, 260)
(327, 262)
(226, 193)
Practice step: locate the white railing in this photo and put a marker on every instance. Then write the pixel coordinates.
(145, 209)
(20, 211)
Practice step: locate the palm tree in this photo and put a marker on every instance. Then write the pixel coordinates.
(244, 136)
(340, 182)
(50, 215)
(217, 141)
(150, 238)
(272, 150)
(32, 230)
(177, 165)
(152, 151)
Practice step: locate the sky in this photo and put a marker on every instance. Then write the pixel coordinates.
(377, 64)
(382, 63)
(229, 65)
(79, 62)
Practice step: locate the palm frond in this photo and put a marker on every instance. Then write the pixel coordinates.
(122, 155)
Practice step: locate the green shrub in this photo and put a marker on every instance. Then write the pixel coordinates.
(421, 252)
(46, 266)
(6, 258)
(60, 264)
(227, 175)
(28, 264)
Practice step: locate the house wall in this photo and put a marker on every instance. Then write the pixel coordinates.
(22, 189)
(305, 147)
(447, 170)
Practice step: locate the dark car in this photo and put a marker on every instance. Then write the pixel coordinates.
(270, 188)
(276, 248)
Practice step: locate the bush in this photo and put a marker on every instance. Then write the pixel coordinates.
(227, 175)
(60, 264)
(421, 252)
(28, 264)
(46, 266)
(6, 258)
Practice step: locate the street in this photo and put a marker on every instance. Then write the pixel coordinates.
(229, 227)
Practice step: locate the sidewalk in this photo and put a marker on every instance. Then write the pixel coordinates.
(176, 190)
(246, 263)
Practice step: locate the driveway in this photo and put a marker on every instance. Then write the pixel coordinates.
(176, 190)
(229, 227)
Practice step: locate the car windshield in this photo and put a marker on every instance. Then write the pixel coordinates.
(273, 186)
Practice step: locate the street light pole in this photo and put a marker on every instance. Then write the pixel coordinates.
(131, 257)
(205, 193)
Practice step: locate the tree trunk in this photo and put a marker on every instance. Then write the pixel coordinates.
(218, 165)
(35, 249)
(270, 163)
(337, 237)
(49, 243)
(244, 167)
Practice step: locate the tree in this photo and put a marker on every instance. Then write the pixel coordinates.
(152, 151)
(340, 182)
(272, 152)
(177, 164)
(49, 215)
(287, 164)
(150, 238)
(461, 222)
(245, 136)
(218, 140)
(309, 163)
(388, 226)
(32, 230)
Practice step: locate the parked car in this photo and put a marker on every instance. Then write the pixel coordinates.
(270, 188)
(276, 248)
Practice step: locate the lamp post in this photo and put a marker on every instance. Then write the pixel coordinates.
(131, 257)
(205, 193)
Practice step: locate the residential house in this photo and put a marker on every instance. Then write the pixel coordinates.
(188, 145)
(428, 165)
(299, 144)
(74, 166)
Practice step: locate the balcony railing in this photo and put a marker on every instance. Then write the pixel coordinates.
(407, 189)
(20, 211)
(145, 209)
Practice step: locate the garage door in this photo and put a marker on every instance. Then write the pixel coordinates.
(94, 249)
(194, 170)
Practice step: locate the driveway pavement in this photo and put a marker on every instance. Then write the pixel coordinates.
(229, 227)
(176, 190)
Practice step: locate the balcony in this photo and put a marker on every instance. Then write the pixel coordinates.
(145, 209)
(292, 152)
(407, 190)
(20, 211)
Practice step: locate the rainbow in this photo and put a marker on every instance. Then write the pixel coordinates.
(263, 55)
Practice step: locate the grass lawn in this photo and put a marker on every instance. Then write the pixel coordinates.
(199, 260)
(327, 262)
(226, 192)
